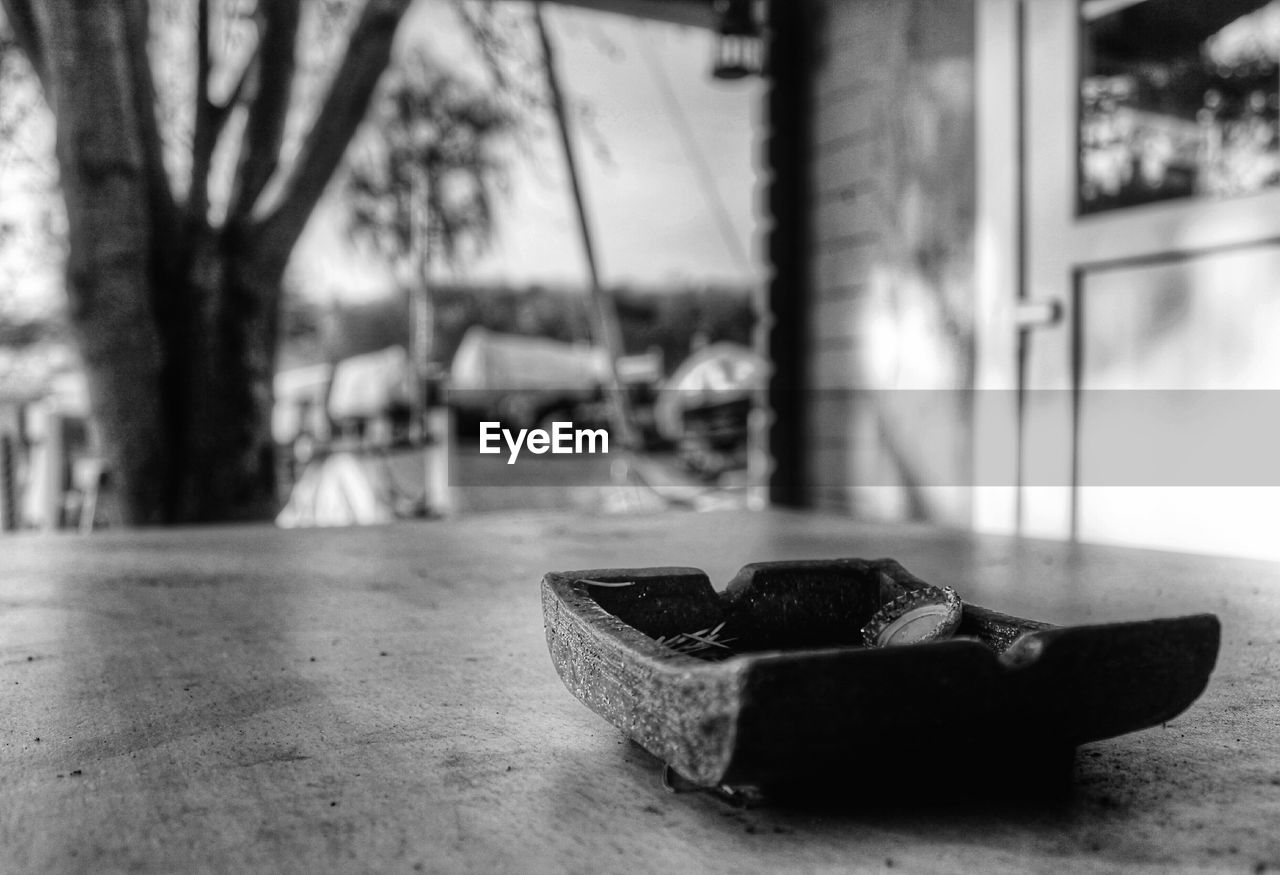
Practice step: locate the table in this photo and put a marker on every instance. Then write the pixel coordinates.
(249, 699)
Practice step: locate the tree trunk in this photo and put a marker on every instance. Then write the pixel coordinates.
(183, 394)
(112, 246)
(176, 325)
(177, 321)
(219, 342)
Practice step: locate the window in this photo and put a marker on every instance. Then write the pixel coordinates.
(1178, 98)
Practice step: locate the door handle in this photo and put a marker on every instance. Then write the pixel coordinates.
(1030, 313)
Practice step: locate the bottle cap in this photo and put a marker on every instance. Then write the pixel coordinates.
(925, 614)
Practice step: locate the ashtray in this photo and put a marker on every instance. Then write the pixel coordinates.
(854, 671)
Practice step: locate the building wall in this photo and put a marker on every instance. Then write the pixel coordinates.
(890, 258)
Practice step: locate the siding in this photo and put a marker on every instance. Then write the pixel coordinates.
(890, 299)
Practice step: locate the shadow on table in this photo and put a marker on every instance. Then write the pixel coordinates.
(1138, 800)
(938, 778)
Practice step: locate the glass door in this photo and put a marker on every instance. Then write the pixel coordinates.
(1144, 217)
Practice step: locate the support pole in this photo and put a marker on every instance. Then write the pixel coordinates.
(609, 332)
(421, 309)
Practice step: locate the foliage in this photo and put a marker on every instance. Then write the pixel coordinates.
(423, 184)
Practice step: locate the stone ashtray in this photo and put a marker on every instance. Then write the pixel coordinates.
(783, 678)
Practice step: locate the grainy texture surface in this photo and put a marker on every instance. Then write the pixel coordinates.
(246, 699)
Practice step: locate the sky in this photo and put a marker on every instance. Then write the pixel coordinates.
(656, 221)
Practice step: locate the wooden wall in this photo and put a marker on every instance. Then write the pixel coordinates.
(888, 286)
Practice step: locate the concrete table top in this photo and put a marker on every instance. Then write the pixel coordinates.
(247, 699)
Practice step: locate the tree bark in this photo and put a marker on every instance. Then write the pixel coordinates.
(106, 184)
(219, 343)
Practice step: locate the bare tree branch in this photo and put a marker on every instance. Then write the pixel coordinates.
(238, 92)
(204, 136)
(26, 30)
(203, 62)
(217, 115)
(160, 194)
(264, 133)
(367, 55)
(222, 111)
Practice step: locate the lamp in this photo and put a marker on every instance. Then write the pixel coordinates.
(739, 48)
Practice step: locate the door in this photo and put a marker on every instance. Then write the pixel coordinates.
(1138, 250)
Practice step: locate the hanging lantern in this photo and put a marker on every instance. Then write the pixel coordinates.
(739, 48)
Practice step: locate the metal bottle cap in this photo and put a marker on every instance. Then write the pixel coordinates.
(927, 614)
